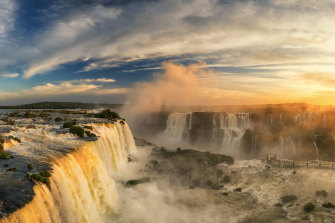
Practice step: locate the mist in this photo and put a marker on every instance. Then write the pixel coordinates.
(178, 85)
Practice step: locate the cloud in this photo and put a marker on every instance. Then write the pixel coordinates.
(238, 32)
(7, 8)
(101, 80)
(9, 75)
(71, 88)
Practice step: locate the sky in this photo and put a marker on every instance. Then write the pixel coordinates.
(255, 51)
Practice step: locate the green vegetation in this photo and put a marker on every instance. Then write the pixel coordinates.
(88, 127)
(42, 177)
(30, 166)
(28, 114)
(77, 130)
(107, 113)
(45, 173)
(58, 119)
(309, 207)
(15, 138)
(289, 198)
(321, 193)
(328, 205)
(1, 148)
(90, 134)
(138, 181)
(70, 124)
(4, 155)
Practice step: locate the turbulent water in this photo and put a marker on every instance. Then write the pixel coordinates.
(88, 182)
(82, 183)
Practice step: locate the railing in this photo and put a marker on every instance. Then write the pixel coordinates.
(295, 163)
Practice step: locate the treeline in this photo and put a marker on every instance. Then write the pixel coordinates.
(61, 105)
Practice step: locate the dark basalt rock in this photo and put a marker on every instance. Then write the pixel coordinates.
(190, 168)
(130, 183)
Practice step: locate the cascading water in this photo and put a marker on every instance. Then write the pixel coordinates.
(232, 127)
(178, 125)
(82, 187)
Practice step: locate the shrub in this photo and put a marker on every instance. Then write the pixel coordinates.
(30, 166)
(42, 177)
(58, 119)
(4, 155)
(15, 138)
(90, 134)
(45, 173)
(289, 198)
(77, 130)
(320, 193)
(107, 114)
(88, 127)
(309, 207)
(226, 179)
(1, 148)
(69, 124)
(238, 189)
(328, 205)
(11, 122)
(28, 114)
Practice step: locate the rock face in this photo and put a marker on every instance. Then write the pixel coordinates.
(190, 167)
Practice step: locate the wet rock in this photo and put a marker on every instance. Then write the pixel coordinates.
(130, 183)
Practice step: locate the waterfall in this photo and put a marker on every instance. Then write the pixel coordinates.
(233, 127)
(178, 125)
(293, 146)
(82, 187)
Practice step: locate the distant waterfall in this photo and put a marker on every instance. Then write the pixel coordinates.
(82, 188)
(231, 130)
(178, 125)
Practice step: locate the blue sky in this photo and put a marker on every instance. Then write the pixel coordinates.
(95, 50)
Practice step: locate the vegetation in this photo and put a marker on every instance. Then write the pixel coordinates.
(88, 127)
(328, 205)
(309, 207)
(107, 113)
(289, 198)
(15, 138)
(70, 124)
(42, 177)
(77, 130)
(58, 119)
(4, 155)
(30, 166)
(320, 193)
(90, 134)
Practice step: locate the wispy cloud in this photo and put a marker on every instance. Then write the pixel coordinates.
(9, 75)
(241, 32)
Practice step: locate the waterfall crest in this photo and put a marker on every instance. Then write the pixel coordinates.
(82, 188)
